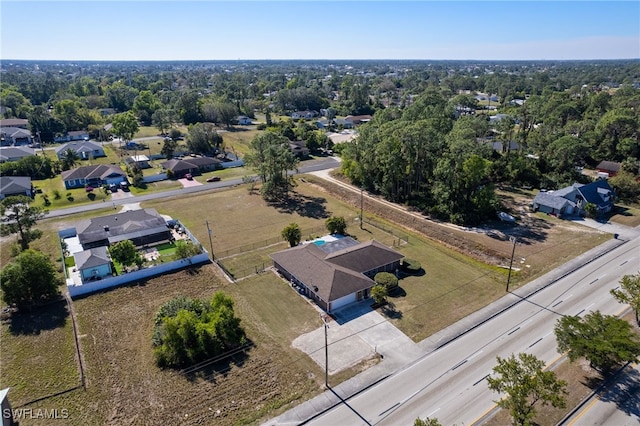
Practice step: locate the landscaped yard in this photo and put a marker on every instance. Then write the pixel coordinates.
(123, 384)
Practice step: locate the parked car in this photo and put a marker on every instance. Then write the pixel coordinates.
(213, 179)
(188, 176)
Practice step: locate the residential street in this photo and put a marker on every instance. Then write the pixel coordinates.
(321, 164)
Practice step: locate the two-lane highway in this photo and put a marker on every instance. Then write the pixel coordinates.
(450, 383)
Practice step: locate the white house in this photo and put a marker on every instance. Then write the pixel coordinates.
(84, 149)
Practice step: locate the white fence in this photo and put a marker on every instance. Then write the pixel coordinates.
(142, 274)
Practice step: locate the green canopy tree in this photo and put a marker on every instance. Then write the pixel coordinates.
(272, 158)
(144, 105)
(524, 383)
(124, 252)
(19, 217)
(125, 125)
(336, 225)
(203, 138)
(163, 119)
(292, 234)
(31, 278)
(629, 292)
(605, 340)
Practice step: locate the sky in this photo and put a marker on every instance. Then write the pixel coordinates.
(222, 30)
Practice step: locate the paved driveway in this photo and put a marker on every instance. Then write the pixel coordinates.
(358, 333)
(186, 183)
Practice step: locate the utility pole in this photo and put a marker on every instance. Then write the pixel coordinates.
(213, 258)
(361, 204)
(513, 251)
(326, 352)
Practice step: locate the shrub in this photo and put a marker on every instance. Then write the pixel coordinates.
(56, 194)
(386, 279)
(379, 294)
(411, 266)
(188, 331)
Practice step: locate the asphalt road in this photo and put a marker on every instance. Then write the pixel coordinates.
(306, 167)
(449, 383)
(618, 403)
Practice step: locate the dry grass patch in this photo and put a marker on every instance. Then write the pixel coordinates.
(124, 385)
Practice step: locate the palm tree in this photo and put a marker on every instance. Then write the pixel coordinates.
(69, 158)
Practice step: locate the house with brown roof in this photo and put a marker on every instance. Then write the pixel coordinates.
(95, 175)
(336, 273)
(21, 123)
(191, 165)
(611, 168)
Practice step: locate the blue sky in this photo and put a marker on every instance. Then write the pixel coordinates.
(215, 30)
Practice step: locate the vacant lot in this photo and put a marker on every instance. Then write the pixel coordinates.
(125, 387)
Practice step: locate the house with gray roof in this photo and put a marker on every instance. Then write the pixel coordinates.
(93, 264)
(571, 200)
(143, 227)
(337, 273)
(15, 136)
(96, 176)
(15, 185)
(15, 153)
(84, 149)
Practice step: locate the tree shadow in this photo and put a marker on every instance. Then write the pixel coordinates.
(306, 206)
(217, 366)
(623, 389)
(397, 292)
(39, 319)
(389, 310)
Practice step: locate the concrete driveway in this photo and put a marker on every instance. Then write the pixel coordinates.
(624, 232)
(186, 183)
(358, 333)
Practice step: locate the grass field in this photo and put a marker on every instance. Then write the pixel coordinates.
(123, 384)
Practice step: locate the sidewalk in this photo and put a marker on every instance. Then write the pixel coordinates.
(391, 364)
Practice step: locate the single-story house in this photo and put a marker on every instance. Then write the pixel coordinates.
(611, 168)
(21, 123)
(336, 273)
(76, 135)
(192, 165)
(345, 123)
(84, 149)
(358, 119)
(143, 227)
(15, 153)
(299, 149)
(15, 185)
(15, 136)
(93, 264)
(296, 115)
(572, 199)
(243, 120)
(96, 176)
(141, 161)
